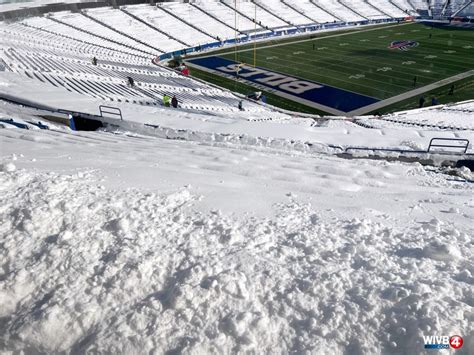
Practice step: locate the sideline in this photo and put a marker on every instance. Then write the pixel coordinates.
(409, 94)
(351, 32)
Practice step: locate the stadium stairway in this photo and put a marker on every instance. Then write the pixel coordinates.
(332, 13)
(455, 6)
(378, 9)
(215, 18)
(298, 10)
(154, 27)
(397, 5)
(351, 9)
(242, 14)
(187, 23)
(388, 8)
(106, 51)
(159, 50)
(61, 29)
(316, 13)
(79, 21)
(405, 6)
(98, 36)
(107, 81)
(437, 8)
(264, 8)
(137, 30)
(286, 12)
(52, 45)
(413, 5)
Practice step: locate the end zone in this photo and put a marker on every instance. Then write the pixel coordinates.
(317, 95)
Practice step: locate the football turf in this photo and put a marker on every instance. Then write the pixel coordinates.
(362, 62)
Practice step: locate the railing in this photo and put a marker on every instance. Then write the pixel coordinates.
(109, 110)
(464, 146)
(433, 144)
(14, 123)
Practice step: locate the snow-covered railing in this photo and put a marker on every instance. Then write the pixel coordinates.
(110, 110)
(451, 143)
(438, 143)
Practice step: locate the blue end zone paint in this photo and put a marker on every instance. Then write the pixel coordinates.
(318, 93)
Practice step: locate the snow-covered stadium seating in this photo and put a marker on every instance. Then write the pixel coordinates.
(421, 6)
(188, 34)
(289, 13)
(264, 17)
(339, 10)
(152, 30)
(227, 15)
(388, 8)
(314, 12)
(365, 9)
(466, 11)
(453, 6)
(57, 48)
(65, 62)
(405, 5)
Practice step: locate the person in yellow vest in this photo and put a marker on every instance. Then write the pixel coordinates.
(166, 100)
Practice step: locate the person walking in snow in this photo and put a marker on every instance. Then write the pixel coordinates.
(421, 102)
(166, 100)
(130, 81)
(94, 61)
(174, 102)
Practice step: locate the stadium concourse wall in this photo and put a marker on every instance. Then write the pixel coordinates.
(273, 34)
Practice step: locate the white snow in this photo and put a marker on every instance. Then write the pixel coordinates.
(132, 244)
(221, 232)
(8, 167)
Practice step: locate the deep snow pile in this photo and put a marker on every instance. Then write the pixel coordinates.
(382, 256)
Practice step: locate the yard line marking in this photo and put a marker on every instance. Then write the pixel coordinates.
(357, 76)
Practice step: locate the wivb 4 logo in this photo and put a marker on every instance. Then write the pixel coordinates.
(442, 342)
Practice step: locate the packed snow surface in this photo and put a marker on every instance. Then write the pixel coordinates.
(137, 245)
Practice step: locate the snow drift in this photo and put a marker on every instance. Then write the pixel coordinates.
(87, 269)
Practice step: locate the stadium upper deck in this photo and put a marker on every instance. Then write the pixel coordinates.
(57, 48)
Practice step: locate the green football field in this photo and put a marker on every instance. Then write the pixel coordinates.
(361, 61)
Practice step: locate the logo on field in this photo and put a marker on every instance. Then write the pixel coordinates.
(403, 45)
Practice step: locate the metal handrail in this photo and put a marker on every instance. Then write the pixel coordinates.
(405, 151)
(464, 147)
(114, 111)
